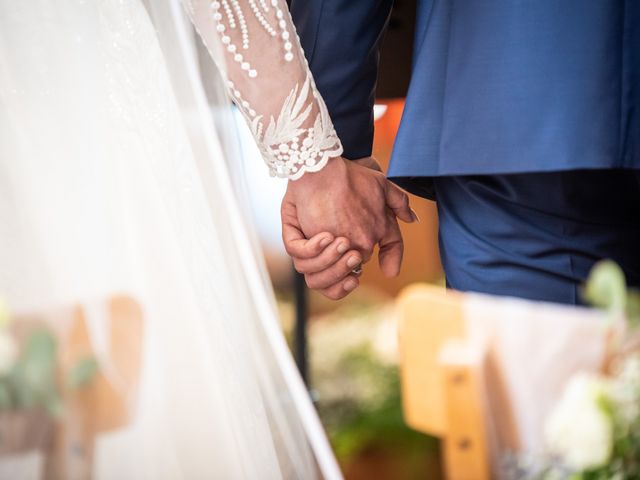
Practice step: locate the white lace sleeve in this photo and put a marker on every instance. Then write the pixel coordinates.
(269, 79)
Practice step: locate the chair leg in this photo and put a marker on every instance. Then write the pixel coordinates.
(466, 452)
(70, 454)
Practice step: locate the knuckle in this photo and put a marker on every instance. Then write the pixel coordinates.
(368, 245)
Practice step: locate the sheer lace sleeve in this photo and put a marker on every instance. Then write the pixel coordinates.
(269, 79)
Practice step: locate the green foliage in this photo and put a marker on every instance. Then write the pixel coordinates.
(31, 382)
(357, 424)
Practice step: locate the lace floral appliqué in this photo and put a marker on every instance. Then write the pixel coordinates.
(290, 149)
(302, 137)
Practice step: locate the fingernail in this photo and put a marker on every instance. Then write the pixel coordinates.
(352, 262)
(415, 215)
(342, 248)
(350, 285)
(324, 242)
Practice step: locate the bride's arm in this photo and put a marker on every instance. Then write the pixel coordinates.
(256, 46)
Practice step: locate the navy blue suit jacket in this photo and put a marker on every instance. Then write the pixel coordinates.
(498, 86)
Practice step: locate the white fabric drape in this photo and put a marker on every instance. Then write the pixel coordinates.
(113, 179)
(533, 350)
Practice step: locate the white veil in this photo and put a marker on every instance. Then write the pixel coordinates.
(113, 181)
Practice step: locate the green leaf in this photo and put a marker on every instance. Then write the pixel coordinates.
(39, 359)
(41, 348)
(606, 286)
(82, 372)
(33, 378)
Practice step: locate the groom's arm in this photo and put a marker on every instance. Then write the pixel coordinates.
(341, 40)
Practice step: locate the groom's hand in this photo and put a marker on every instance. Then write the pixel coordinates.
(355, 203)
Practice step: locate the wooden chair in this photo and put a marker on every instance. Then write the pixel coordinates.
(98, 407)
(445, 377)
(439, 380)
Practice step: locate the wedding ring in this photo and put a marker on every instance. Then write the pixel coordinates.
(357, 270)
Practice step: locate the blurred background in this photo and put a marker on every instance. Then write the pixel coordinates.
(347, 350)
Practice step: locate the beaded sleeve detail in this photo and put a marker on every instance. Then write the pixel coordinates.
(268, 77)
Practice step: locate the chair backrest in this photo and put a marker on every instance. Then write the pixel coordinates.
(471, 366)
(104, 404)
(428, 319)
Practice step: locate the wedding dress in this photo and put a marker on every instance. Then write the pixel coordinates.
(119, 175)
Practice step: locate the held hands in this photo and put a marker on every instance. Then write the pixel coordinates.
(332, 220)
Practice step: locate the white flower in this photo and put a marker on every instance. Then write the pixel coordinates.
(385, 341)
(624, 391)
(579, 429)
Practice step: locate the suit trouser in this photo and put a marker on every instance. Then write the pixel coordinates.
(537, 235)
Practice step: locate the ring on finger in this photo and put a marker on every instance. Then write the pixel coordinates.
(358, 270)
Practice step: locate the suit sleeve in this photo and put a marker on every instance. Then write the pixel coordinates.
(341, 39)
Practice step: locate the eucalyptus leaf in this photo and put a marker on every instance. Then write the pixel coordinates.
(606, 286)
(41, 347)
(33, 377)
(82, 372)
(39, 360)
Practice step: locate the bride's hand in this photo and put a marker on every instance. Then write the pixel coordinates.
(326, 262)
